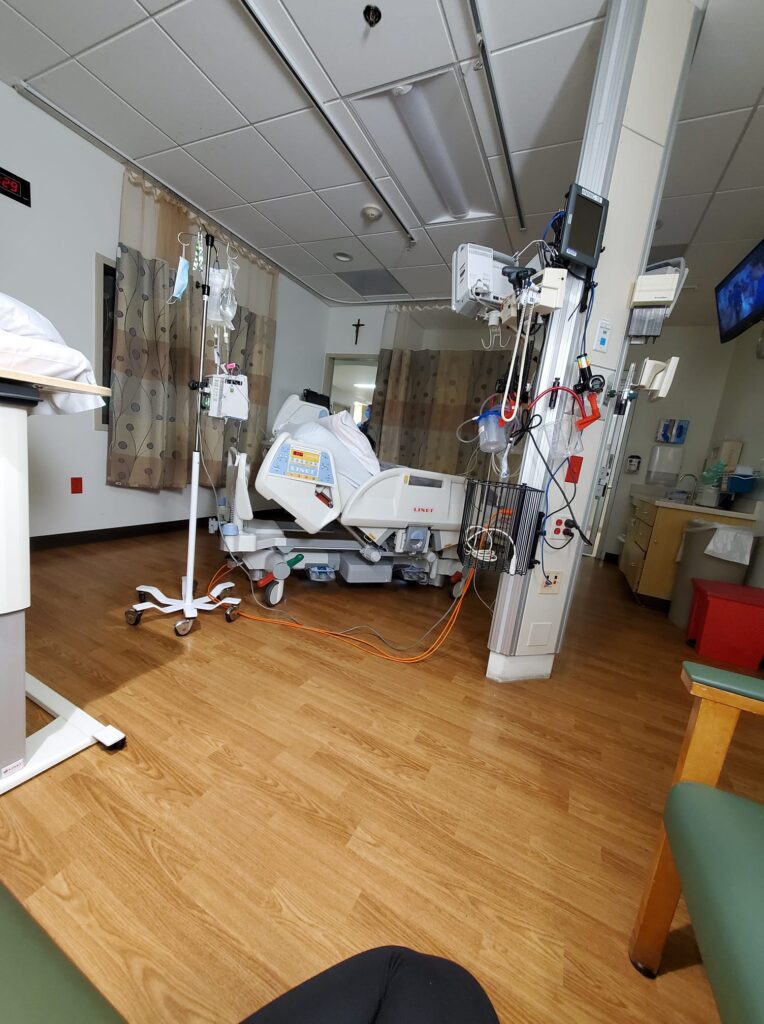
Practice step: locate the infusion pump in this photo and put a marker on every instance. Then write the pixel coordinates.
(480, 288)
(477, 283)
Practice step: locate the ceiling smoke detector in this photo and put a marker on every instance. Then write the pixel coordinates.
(371, 213)
(343, 257)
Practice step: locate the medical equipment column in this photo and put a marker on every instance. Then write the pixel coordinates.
(629, 125)
(72, 730)
(189, 605)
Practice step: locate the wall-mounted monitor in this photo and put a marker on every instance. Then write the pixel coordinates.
(740, 296)
(583, 226)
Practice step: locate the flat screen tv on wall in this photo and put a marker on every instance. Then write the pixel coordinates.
(740, 296)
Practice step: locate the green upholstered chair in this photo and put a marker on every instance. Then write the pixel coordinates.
(711, 847)
(38, 983)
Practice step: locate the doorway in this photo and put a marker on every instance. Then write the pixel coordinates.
(349, 382)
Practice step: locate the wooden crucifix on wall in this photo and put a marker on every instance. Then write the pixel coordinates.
(358, 325)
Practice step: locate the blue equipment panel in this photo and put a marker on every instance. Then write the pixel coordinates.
(302, 464)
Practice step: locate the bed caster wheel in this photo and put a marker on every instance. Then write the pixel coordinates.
(231, 613)
(142, 596)
(273, 593)
(133, 617)
(183, 627)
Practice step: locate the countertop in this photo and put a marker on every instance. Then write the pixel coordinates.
(702, 509)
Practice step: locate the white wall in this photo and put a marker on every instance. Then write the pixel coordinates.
(340, 338)
(48, 260)
(695, 396)
(467, 337)
(301, 329)
(741, 409)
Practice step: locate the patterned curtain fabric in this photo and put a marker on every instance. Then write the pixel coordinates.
(156, 350)
(421, 397)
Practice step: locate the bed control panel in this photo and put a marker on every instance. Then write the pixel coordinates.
(303, 480)
(302, 464)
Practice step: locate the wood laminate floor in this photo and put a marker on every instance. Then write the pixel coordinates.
(285, 801)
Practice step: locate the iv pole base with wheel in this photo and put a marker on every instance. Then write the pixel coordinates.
(188, 605)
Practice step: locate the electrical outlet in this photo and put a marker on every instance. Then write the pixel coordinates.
(550, 584)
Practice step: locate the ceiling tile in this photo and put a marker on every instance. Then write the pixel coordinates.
(550, 108)
(24, 51)
(534, 228)
(392, 249)
(425, 282)
(187, 177)
(726, 68)
(148, 70)
(88, 101)
(482, 107)
(507, 22)
(500, 178)
(410, 38)
(347, 202)
(305, 218)
(679, 217)
(397, 201)
(346, 122)
(250, 225)
(461, 28)
(733, 215)
(77, 24)
(701, 149)
(709, 262)
(280, 24)
(152, 6)
(543, 176)
(746, 169)
(222, 39)
(246, 162)
(448, 237)
(332, 288)
(324, 251)
(308, 144)
(295, 260)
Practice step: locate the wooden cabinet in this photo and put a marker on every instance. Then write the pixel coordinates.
(648, 560)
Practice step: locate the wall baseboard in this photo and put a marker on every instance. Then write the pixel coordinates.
(62, 540)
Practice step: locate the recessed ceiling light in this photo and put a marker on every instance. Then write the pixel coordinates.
(343, 257)
(364, 385)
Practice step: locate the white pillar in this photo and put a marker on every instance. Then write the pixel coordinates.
(646, 50)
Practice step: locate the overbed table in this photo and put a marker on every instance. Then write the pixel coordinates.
(72, 729)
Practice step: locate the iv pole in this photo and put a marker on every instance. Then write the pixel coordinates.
(189, 605)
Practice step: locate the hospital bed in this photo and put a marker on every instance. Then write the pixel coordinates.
(351, 515)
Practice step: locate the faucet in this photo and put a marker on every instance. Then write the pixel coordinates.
(694, 489)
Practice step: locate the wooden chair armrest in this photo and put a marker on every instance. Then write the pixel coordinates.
(731, 688)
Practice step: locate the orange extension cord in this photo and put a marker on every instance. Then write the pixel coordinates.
(364, 645)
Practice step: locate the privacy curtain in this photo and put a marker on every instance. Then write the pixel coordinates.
(156, 348)
(422, 395)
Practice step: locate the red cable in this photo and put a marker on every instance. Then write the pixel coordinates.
(559, 387)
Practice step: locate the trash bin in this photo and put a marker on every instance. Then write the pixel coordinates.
(696, 564)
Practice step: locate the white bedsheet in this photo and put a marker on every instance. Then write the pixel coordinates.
(28, 353)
